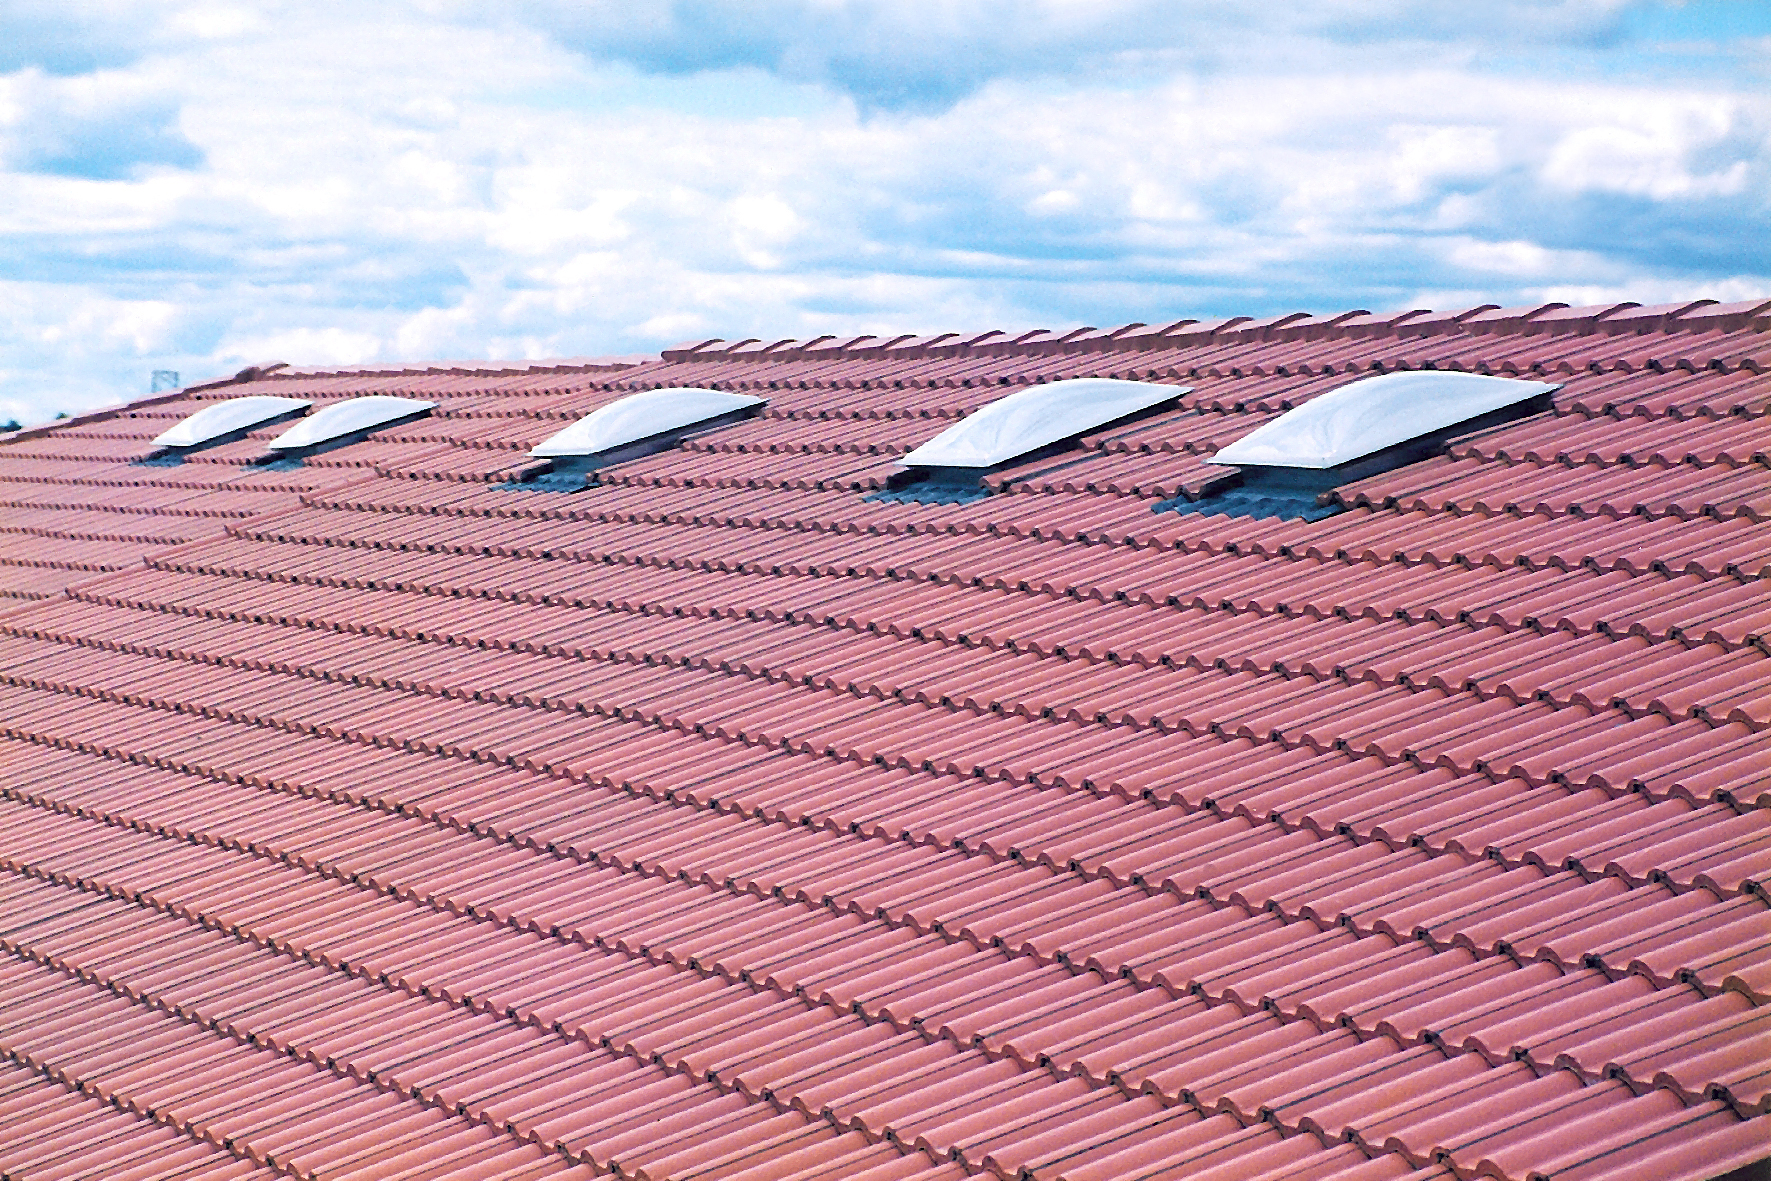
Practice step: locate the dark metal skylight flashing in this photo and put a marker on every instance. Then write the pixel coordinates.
(1259, 503)
(952, 485)
(1290, 467)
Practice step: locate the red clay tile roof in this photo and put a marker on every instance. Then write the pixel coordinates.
(378, 819)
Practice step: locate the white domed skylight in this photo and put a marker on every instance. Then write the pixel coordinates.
(1374, 414)
(349, 418)
(231, 417)
(640, 416)
(1037, 417)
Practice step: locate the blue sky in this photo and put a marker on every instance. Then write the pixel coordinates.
(202, 185)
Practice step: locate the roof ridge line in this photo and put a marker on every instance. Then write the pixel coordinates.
(1481, 319)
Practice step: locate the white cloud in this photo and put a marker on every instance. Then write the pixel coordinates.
(313, 346)
(1420, 159)
(64, 345)
(1656, 149)
(109, 125)
(1516, 259)
(762, 225)
(215, 22)
(926, 54)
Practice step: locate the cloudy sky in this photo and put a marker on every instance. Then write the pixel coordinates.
(201, 185)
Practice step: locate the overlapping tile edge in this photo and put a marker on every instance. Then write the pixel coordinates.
(822, 709)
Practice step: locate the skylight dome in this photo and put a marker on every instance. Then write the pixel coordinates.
(645, 415)
(1375, 414)
(342, 420)
(233, 417)
(1291, 466)
(1037, 417)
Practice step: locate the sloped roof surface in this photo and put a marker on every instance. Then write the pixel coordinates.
(377, 818)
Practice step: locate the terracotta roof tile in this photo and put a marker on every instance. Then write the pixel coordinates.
(383, 815)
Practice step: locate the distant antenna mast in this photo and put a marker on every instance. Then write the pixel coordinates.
(164, 379)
